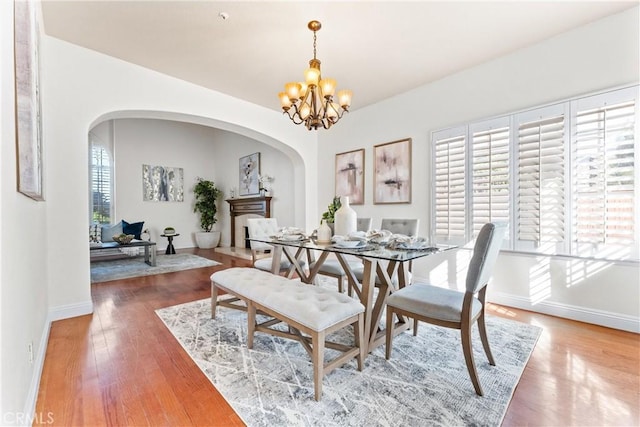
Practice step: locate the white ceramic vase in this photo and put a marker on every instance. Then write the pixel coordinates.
(207, 240)
(324, 232)
(345, 218)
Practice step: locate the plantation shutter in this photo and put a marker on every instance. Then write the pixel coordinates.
(604, 216)
(449, 187)
(490, 173)
(101, 185)
(541, 186)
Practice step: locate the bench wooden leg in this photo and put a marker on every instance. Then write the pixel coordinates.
(317, 340)
(214, 299)
(251, 323)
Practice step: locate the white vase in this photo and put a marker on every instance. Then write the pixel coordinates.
(207, 240)
(324, 232)
(345, 218)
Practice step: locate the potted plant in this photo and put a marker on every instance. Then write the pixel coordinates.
(329, 215)
(206, 194)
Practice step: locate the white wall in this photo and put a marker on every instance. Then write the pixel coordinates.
(229, 147)
(598, 56)
(202, 152)
(23, 255)
(84, 88)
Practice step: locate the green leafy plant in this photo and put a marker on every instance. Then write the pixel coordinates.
(331, 209)
(206, 195)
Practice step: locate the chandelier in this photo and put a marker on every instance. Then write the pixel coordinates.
(311, 102)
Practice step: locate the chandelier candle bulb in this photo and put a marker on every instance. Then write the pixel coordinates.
(311, 76)
(285, 102)
(344, 98)
(293, 91)
(328, 87)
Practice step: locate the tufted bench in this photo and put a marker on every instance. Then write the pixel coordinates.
(307, 309)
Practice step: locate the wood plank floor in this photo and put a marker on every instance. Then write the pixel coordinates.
(121, 366)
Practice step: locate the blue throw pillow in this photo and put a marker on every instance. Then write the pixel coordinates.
(108, 231)
(135, 228)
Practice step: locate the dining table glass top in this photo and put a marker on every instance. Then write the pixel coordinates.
(366, 250)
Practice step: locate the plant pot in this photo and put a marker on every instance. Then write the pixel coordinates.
(207, 240)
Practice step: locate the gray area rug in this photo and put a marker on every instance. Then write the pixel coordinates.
(424, 383)
(102, 271)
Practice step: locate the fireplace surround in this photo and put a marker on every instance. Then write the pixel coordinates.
(243, 208)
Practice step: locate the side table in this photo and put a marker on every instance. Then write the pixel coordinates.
(170, 249)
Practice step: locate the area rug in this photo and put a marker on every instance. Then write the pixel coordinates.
(424, 383)
(102, 271)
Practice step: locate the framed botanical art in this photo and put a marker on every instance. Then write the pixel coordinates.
(350, 176)
(392, 172)
(27, 86)
(249, 173)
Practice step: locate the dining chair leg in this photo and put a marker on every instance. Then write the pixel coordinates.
(389, 333)
(465, 333)
(358, 330)
(482, 328)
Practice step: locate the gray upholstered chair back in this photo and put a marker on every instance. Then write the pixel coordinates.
(364, 224)
(408, 227)
(485, 254)
(261, 228)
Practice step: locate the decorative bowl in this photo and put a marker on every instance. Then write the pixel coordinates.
(123, 239)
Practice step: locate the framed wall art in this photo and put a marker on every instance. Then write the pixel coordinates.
(249, 173)
(392, 172)
(28, 110)
(350, 176)
(162, 184)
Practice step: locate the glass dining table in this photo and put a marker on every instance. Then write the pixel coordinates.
(384, 269)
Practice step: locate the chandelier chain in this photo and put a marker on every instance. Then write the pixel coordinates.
(314, 45)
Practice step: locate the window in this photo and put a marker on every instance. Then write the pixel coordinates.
(563, 176)
(101, 181)
(490, 173)
(450, 187)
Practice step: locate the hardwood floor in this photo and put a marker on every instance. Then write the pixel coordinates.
(121, 366)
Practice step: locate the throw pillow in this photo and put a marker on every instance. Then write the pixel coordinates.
(108, 231)
(95, 233)
(135, 228)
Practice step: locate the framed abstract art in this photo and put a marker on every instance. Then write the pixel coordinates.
(249, 172)
(162, 184)
(350, 176)
(28, 110)
(392, 172)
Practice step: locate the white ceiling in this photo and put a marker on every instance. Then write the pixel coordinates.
(376, 49)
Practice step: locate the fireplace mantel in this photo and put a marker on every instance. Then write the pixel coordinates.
(248, 205)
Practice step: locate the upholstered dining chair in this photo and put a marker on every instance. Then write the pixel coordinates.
(363, 224)
(450, 308)
(264, 228)
(408, 227)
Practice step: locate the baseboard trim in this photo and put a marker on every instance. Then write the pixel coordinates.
(581, 314)
(70, 310)
(55, 313)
